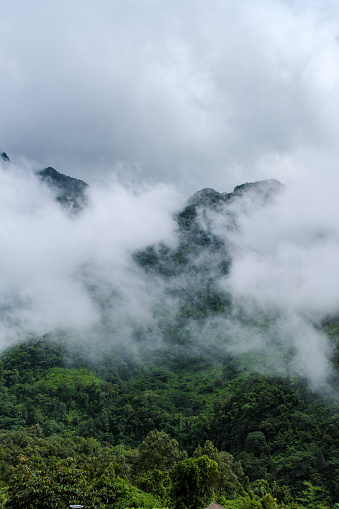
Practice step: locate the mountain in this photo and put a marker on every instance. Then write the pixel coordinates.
(183, 394)
(194, 227)
(193, 275)
(70, 192)
(4, 157)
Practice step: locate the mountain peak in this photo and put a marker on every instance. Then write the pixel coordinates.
(70, 192)
(4, 157)
(268, 187)
(207, 196)
(210, 197)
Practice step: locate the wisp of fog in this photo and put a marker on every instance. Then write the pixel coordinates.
(46, 253)
(78, 273)
(173, 97)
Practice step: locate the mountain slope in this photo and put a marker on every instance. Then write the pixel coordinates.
(70, 192)
(180, 354)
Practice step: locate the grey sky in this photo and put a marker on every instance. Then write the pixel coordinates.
(199, 93)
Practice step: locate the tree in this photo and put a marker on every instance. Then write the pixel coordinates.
(314, 497)
(159, 451)
(51, 487)
(255, 442)
(119, 493)
(194, 483)
(156, 482)
(229, 470)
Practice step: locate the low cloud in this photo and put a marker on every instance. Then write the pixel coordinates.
(46, 252)
(169, 99)
(284, 268)
(77, 274)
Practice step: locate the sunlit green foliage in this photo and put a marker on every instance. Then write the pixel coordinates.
(57, 377)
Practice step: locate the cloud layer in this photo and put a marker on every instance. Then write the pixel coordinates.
(49, 260)
(195, 93)
(76, 273)
(171, 97)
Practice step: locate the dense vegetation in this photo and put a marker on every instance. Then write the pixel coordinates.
(138, 435)
(176, 423)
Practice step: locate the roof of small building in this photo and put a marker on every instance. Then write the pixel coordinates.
(214, 506)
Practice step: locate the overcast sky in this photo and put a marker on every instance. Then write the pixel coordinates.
(199, 93)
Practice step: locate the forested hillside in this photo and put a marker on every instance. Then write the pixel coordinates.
(272, 438)
(205, 398)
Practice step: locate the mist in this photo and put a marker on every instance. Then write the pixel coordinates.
(282, 279)
(149, 103)
(46, 252)
(77, 274)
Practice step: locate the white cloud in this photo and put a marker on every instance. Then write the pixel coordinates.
(45, 252)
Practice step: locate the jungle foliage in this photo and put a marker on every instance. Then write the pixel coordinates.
(159, 437)
(174, 426)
